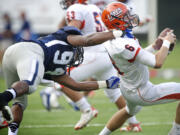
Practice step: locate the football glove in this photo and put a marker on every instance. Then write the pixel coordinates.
(113, 82)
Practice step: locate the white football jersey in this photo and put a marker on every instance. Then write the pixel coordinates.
(90, 16)
(123, 52)
(101, 3)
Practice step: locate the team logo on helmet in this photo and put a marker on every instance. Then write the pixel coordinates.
(115, 13)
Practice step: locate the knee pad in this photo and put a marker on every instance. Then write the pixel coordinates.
(22, 101)
(133, 110)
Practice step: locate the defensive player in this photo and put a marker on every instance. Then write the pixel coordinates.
(132, 61)
(26, 63)
(87, 18)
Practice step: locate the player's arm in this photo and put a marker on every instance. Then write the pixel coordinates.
(89, 40)
(158, 42)
(62, 23)
(93, 39)
(87, 85)
(157, 60)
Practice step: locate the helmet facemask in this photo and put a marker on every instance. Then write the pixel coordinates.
(78, 56)
(128, 20)
(77, 59)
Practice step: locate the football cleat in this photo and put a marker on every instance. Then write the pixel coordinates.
(131, 128)
(3, 122)
(86, 117)
(7, 114)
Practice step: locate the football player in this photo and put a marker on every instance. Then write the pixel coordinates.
(97, 64)
(132, 61)
(26, 63)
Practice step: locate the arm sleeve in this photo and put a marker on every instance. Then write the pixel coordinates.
(146, 58)
(150, 49)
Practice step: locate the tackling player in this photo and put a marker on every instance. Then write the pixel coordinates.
(132, 62)
(26, 63)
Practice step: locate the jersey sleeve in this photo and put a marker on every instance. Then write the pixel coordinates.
(65, 31)
(74, 12)
(146, 58)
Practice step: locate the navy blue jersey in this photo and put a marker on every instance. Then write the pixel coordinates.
(57, 51)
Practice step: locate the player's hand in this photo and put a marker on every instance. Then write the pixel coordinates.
(171, 37)
(164, 32)
(113, 82)
(117, 33)
(158, 43)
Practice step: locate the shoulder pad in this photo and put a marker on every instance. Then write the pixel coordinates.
(72, 30)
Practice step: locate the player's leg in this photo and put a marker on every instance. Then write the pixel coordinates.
(20, 103)
(88, 112)
(115, 122)
(175, 130)
(133, 123)
(164, 93)
(27, 70)
(116, 97)
(119, 118)
(159, 94)
(83, 72)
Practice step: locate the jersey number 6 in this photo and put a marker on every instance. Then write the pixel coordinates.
(130, 48)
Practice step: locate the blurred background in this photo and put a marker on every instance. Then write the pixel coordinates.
(30, 19)
(45, 15)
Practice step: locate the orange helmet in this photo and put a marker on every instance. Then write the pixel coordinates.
(66, 3)
(82, 1)
(117, 15)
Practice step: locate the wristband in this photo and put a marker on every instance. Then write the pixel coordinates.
(166, 43)
(102, 84)
(117, 33)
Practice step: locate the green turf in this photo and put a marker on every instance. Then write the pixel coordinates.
(156, 120)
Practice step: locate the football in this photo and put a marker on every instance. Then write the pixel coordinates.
(159, 41)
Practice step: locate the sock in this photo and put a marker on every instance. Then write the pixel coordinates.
(105, 131)
(13, 128)
(133, 120)
(83, 104)
(8, 95)
(177, 126)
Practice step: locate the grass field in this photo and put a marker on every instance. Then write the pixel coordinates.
(156, 120)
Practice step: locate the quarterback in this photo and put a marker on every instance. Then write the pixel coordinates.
(87, 17)
(132, 62)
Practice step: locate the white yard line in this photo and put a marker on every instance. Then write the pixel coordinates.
(90, 125)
